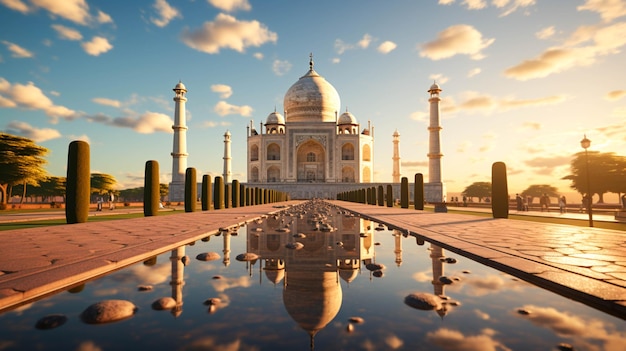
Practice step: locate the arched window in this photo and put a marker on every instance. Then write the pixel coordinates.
(273, 174)
(367, 153)
(254, 174)
(366, 175)
(273, 151)
(347, 152)
(310, 157)
(347, 175)
(254, 153)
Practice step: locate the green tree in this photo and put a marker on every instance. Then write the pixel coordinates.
(607, 173)
(131, 195)
(538, 190)
(164, 190)
(478, 189)
(21, 162)
(102, 183)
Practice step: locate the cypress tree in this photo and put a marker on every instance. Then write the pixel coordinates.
(151, 189)
(418, 192)
(78, 186)
(499, 191)
(404, 192)
(218, 193)
(191, 190)
(207, 192)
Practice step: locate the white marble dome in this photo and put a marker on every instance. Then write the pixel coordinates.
(311, 99)
(347, 118)
(275, 118)
(180, 86)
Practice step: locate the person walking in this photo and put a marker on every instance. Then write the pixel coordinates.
(562, 204)
(111, 201)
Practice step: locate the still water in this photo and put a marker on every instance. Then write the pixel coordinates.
(305, 297)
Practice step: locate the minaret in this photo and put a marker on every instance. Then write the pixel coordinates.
(437, 191)
(396, 157)
(437, 256)
(398, 247)
(227, 159)
(177, 282)
(226, 251)
(179, 151)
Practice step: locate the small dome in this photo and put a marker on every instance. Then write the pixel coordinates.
(435, 86)
(180, 86)
(347, 118)
(275, 118)
(365, 131)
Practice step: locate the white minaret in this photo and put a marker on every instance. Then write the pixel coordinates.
(436, 193)
(227, 159)
(396, 157)
(179, 152)
(177, 282)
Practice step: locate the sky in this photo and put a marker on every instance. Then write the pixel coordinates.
(523, 80)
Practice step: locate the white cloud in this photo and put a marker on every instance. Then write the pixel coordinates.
(76, 11)
(515, 5)
(17, 51)
(212, 124)
(225, 91)
(600, 41)
(615, 95)
(448, 339)
(439, 78)
(30, 97)
(146, 123)
(473, 72)
(228, 32)
(82, 137)
(281, 68)
(608, 9)
(387, 47)
(231, 5)
(97, 46)
(104, 18)
(36, 134)
(166, 13)
(223, 108)
(258, 55)
(335, 60)
(545, 33)
(16, 5)
(67, 33)
(364, 43)
(107, 102)
(446, 2)
(455, 40)
(475, 4)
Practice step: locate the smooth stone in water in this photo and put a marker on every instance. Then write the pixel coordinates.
(164, 303)
(356, 320)
(375, 266)
(144, 288)
(185, 260)
(445, 280)
(423, 301)
(378, 274)
(51, 321)
(108, 311)
(294, 246)
(248, 256)
(213, 301)
(208, 256)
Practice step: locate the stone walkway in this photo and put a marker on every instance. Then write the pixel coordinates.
(37, 261)
(585, 264)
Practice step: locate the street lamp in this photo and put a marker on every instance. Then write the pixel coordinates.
(585, 143)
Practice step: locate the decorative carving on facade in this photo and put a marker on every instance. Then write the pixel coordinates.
(303, 138)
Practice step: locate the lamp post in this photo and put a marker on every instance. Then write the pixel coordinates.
(585, 143)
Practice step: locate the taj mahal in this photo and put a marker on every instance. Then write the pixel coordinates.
(312, 149)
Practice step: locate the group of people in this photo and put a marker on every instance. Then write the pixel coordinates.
(110, 200)
(522, 203)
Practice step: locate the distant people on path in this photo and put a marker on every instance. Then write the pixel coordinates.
(99, 202)
(544, 201)
(519, 202)
(562, 204)
(464, 201)
(111, 201)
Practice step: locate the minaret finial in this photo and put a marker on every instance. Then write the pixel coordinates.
(311, 63)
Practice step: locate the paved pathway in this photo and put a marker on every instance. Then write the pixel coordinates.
(585, 264)
(37, 261)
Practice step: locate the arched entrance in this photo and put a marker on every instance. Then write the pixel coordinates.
(311, 162)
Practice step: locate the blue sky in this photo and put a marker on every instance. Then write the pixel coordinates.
(522, 80)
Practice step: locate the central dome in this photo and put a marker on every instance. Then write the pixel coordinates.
(311, 99)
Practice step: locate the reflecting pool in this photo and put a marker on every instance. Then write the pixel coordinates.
(343, 287)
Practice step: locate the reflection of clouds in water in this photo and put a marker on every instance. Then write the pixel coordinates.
(393, 342)
(454, 340)
(143, 274)
(221, 285)
(105, 292)
(88, 346)
(583, 331)
(482, 315)
(368, 345)
(490, 284)
(423, 276)
(20, 310)
(209, 343)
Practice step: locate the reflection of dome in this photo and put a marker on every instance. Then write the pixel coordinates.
(347, 118)
(311, 99)
(348, 275)
(275, 275)
(312, 296)
(275, 118)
